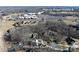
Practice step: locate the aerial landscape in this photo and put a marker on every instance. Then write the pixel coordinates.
(39, 28)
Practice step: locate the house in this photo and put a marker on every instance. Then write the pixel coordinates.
(21, 17)
(31, 13)
(28, 16)
(40, 12)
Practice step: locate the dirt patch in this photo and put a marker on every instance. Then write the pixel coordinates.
(4, 26)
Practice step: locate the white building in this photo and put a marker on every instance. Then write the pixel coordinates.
(31, 13)
(30, 16)
(40, 12)
(21, 17)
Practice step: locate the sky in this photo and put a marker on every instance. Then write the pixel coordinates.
(39, 2)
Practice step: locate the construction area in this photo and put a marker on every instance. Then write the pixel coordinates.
(51, 30)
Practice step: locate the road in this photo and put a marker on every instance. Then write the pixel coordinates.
(4, 26)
